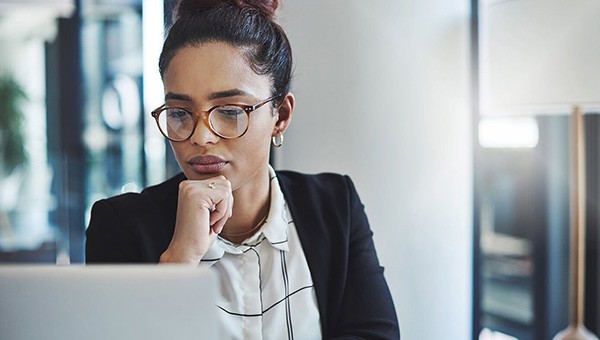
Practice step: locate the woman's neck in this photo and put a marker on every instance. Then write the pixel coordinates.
(251, 202)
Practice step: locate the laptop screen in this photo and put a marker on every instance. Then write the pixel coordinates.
(107, 302)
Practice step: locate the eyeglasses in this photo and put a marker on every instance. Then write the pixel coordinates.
(226, 121)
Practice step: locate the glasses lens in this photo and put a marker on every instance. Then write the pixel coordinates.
(176, 124)
(229, 121)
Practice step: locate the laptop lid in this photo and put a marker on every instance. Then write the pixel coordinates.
(107, 302)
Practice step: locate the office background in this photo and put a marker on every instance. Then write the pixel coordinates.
(382, 94)
(387, 92)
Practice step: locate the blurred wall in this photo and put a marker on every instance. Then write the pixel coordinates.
(382, 92)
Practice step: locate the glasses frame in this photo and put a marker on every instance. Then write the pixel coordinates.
(195, 116)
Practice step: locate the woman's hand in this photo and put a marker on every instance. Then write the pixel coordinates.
(203, 208)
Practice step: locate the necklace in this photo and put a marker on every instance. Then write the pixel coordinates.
(244, 233)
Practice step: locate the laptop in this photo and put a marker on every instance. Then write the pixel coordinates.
(107, 302)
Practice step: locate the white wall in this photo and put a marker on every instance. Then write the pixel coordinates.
(26, 191)
(382, 92)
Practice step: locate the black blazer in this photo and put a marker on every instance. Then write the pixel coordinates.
(353, 297)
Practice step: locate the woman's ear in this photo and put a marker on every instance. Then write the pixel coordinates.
(284, 114)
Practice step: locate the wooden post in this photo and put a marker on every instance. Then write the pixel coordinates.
(576, 329)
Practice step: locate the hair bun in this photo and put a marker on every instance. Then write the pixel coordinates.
(265, 7)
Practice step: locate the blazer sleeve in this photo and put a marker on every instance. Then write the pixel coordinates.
(107, 239)
(133, 227)
(367, 310)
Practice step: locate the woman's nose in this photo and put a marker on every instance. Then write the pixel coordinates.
(203, 134)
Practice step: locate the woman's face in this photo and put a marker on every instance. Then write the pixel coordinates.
(203, 76)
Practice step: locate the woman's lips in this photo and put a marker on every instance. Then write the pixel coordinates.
(207, 164)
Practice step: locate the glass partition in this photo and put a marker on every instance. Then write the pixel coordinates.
(83, 75)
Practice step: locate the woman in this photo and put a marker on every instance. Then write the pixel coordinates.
(294, 252)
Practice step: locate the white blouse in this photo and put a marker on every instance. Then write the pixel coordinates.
(266, 290)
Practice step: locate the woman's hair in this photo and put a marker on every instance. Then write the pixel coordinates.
(246, 24)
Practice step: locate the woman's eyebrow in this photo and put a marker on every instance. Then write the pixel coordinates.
(229, 93)
(214, 95)
(177, 96)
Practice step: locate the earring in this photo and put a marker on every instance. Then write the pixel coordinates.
(275, 142)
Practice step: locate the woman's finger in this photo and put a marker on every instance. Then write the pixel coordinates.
(220, 196)
(217, 227)
(221, 211)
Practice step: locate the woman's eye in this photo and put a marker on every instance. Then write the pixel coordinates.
(177, 114)
(229, 110)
